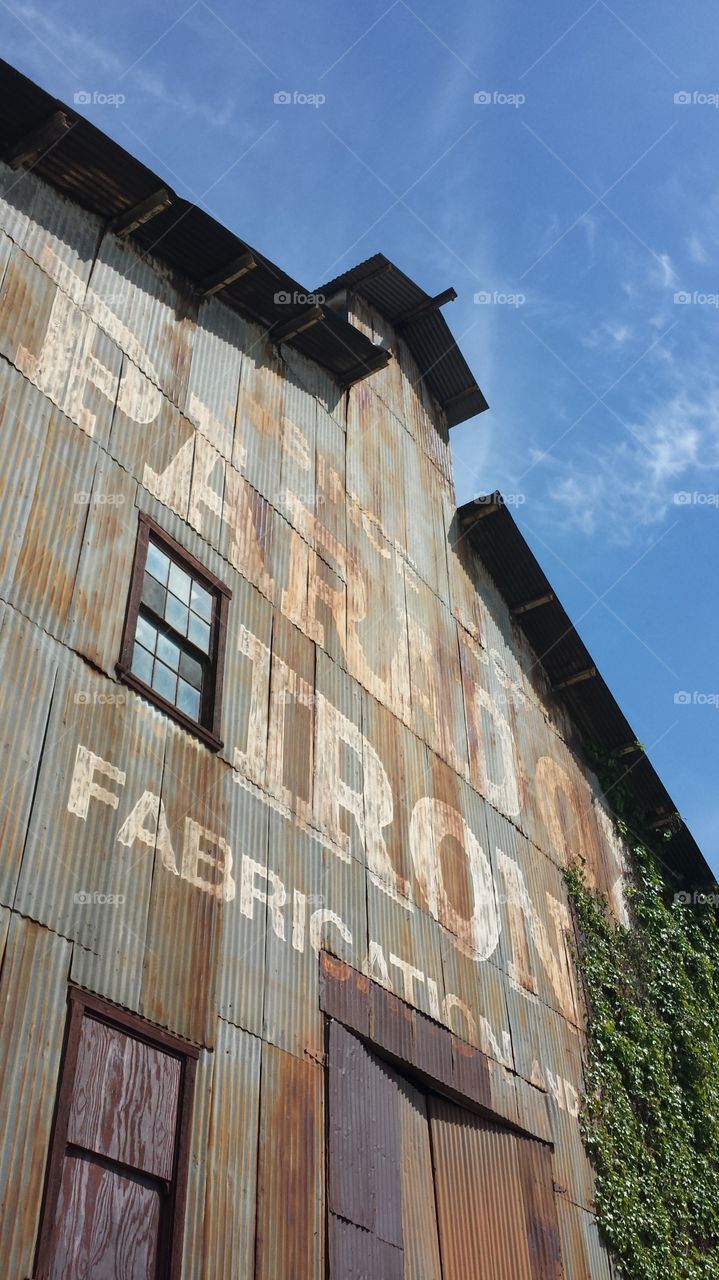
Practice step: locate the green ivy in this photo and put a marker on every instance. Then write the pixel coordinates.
(650, 1117)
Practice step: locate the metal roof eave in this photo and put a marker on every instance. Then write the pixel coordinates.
(502, 548)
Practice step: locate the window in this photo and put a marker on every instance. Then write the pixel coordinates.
(174, 639)
(114, 1199)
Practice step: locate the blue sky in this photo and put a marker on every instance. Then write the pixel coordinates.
(578, 195)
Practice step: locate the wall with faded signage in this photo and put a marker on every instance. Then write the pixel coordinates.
(396, 785)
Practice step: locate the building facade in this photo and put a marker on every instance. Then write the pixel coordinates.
(287, 985)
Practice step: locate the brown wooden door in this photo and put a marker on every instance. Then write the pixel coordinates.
(111, 1215)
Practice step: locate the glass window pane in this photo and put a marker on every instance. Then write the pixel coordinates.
(191, 670)
(164, 681)
(180, 583)
(142, 663)
(188, 699)
(199, 633)
(177, 614)
(158, 563)
(201, 602)
(154, 595)
(168, 651)
(146, 635)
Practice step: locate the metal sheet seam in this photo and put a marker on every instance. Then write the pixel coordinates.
(23, 915)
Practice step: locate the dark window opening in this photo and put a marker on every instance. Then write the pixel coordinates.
(174, 639)
(116, 1182)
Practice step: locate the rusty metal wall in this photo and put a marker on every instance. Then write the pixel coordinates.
(395, 785)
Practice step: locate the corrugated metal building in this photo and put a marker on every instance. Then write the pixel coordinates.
(291, 768)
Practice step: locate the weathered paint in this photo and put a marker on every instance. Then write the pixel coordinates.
(395, 788)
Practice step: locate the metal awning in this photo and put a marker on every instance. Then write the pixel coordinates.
(417, 316)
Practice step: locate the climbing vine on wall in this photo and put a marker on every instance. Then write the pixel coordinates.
(650, 1118)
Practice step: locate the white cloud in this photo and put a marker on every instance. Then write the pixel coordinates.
(696, 249)
(630, 483)
(89, 58)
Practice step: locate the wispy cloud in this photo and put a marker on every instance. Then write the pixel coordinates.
(82, 53)
(630, 483)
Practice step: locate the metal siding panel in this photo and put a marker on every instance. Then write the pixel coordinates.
(339, 751)
(240, 973)
(377, 644)
(345, 894)
(76, 877)
(438, 715)
(475, 1005)
(330, 496)
(425, 538)
(290, 766)
(193, 1247)
(295, 483)
(479, 1197)
(142, 308)
(249, 529)
(375, 448)
(407, 937)
(46, 568)
(584, 1254)
(153, 440)
(57, 346)
(214, 379)
(291, 1174)
(32, 1022)
(350, 1174)
(356, 1254)
(535, 1161)
(246, 687)
(178, 981)
(48, 227)
(24, 418)
(231, 1163)
(97, 611)
(29, 661)
(257, 445)
(292, 1018)
(419, 1210)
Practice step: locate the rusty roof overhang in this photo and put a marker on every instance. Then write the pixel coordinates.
(497, 540)
(418, 318)
(85, 165)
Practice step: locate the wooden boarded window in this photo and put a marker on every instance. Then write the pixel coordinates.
(117, 1172)
(421, 1188)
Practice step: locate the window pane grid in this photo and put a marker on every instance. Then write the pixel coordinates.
(174, 632)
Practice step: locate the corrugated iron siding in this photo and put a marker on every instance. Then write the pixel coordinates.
(33, 999)
(395, 786)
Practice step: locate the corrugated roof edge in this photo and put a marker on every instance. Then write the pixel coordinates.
(87, 166)
(420, 322)
(502, 548)
(84, 164)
